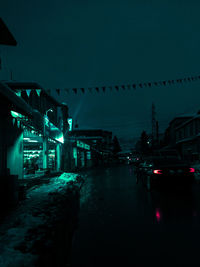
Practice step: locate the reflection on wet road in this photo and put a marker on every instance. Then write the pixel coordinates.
(121, 223)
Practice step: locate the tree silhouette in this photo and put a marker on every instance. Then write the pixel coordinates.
(116, 146)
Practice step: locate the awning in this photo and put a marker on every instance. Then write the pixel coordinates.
(19, 104)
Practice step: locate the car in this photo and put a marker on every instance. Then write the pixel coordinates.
(164, 172)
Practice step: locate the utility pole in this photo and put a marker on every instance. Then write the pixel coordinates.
(153, 124)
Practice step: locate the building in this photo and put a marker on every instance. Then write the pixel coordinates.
(188, 138)
(169, 138)
(89, 147)
(42, 134)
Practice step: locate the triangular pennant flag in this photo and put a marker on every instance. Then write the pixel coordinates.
(169, 82)
(104, 89)
(172, 81)
(38, 91)
(66, 90)
(156, 83)
(140, 85)
(90, 90)
(75, 90)
(192, 78)
(189, 79)
(164, 82)
(117, 87)
(83, 90)
(28, 91)
(18, 93)
(145, 84)
(97, 89)
(58, 91)
(134, 86)
(123, 87)
(149, 84)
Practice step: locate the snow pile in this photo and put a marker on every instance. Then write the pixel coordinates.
(29, 228)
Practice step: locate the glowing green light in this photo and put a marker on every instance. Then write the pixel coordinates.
(15, 114)
(60, 139)
(82, 145)
(70, 124)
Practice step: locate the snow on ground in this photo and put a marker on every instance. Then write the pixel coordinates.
(29, 222)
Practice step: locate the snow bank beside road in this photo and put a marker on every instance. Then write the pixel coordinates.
(31, 228)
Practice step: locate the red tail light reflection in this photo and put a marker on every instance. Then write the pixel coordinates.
(192, 170)
(157, 171)
(158, 215)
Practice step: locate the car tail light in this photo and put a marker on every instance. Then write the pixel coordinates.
(157, 171)
(192, 170)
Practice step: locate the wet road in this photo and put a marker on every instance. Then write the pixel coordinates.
(120, 223)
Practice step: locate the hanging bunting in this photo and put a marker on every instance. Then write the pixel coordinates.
(75, 90)
(58, 91)
(38, 91)
(28, 92)
(124, 87)
(18, 93)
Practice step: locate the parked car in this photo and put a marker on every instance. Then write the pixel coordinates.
(167, 172)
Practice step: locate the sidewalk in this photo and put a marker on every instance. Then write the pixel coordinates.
(39, 231)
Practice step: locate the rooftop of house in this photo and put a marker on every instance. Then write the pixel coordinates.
(6, 37)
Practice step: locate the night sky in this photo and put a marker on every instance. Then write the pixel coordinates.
(93, 43)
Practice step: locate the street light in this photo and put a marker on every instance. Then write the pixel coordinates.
(49, 110)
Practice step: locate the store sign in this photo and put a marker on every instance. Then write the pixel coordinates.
(82, 145)
(70, 124)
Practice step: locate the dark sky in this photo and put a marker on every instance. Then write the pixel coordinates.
(89, 43)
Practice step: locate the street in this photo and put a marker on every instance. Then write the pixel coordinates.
(120, 223)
